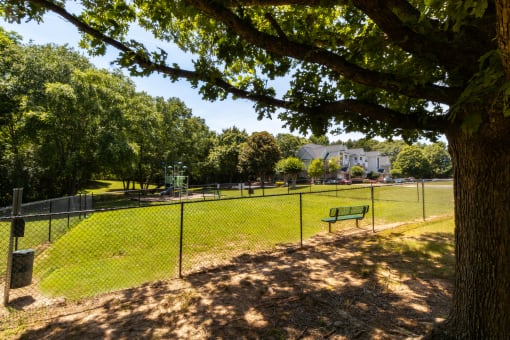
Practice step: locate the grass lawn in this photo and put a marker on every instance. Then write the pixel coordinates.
(102, 186)
(420, 244)
(396, 281)
(105, 186)
(111, 250)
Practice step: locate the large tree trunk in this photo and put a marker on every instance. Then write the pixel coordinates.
(481, 299)
(503, 28)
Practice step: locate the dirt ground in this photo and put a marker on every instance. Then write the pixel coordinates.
(332, 288)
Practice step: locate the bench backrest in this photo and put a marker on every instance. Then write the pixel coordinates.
(354, 210)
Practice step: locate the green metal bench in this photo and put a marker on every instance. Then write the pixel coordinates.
(346, 213)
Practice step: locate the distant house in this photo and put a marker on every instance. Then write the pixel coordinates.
(370, 161)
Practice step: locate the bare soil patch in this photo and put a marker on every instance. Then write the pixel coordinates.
(338, 286)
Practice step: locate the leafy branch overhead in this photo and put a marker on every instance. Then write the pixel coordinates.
(378, 67)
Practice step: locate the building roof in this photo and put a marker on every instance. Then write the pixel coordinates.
(315, 151)
(309, 152)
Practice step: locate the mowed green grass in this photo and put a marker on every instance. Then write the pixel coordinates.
(105, 186)
(424, 249)
(118, 249)
(39, 232)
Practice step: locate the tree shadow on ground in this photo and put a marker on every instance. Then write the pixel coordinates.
(356, 287)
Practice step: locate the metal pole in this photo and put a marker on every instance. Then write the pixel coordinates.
(423, 197)
(373, 212)
(16, 211)
(68, 212)
(180, 239)
(301, 217)
(85, 207)
(49, 225)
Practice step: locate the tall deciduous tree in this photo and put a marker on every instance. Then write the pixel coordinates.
(289, 144)
(403, 67)
(224, 156)
(291, 166)
(439, 159)
(259, 155)
(11, 117)
(316, 169)
(42, 124)
(334, 165)
(412, 162)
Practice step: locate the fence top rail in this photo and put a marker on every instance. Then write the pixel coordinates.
(65, 214)
(89, 211)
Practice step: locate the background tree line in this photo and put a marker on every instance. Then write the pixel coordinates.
(64, 122)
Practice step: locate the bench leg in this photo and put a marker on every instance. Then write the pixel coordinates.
(357, 226)
(329, 226)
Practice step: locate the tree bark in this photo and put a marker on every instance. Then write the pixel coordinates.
(481, 299)
(503, 28)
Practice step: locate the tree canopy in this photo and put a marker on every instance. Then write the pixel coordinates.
(382, 68)
(224, 156)
(63, 122)
(316, 169)
(290, 166)
(259, 155)
(412, 162)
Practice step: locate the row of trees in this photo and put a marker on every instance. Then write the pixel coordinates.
(418, 160)
(261, 155)
(64, 122)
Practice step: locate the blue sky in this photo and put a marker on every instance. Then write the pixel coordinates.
(218, 115)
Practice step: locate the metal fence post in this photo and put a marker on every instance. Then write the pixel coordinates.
(16, 210)
(181, 239)
(68, 212)
(85, 207)
(423, 197)
(373, 210)
(49, 222)
(301, 217)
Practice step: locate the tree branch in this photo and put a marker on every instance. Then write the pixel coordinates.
(313, 54)
(146, 63)
(312, 3)
(410, 120)
(433, 43)
(275, 25)
(355, 107)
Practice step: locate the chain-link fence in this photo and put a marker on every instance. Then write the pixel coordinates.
(83, 253)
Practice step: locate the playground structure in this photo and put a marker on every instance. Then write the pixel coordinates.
(176, 183)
